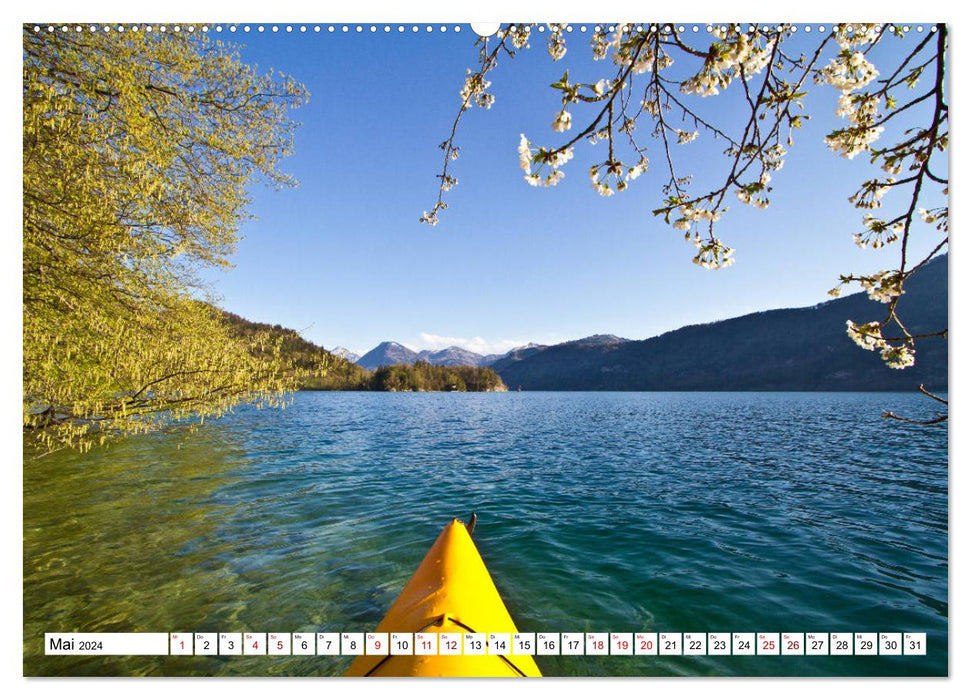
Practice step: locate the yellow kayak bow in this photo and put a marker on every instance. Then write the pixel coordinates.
(451, 591)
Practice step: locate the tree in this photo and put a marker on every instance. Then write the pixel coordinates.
(138, 147)
(660, 76)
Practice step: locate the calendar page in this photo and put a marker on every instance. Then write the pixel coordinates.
(579, 348)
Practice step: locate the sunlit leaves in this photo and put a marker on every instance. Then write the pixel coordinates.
(138, 150)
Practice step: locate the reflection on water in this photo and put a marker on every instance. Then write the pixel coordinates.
(598, 512)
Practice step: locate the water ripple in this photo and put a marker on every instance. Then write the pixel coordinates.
(598, 512)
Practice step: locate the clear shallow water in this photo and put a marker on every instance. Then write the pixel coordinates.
(597, 512)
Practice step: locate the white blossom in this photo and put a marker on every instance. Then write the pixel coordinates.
(867, 335)
(897, 356)
(693, 213)
(636, 171)
(563, 121)
(730, 58)
(616, 172)
(545, 159)
(556, 46)
(852, 141)
(485, 100)
(525, 154)
(850, 35)
(686, 136)
(520, 36)
(474, 90)
(556, 158)
(712, 253)
(879, 233)
(849, 71)
(883, 286)
(599, 45)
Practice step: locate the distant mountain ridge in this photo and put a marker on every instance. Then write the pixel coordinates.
(345, 354)
(390, 352)
(387, 353)
(600, 339)
(516, 355)
(453, 356)
(804, 349)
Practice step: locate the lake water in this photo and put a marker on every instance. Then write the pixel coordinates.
(683, 512)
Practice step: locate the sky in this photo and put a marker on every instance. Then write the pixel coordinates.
(343, 259)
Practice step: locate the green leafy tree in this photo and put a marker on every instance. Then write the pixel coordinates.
(657, 80)
(138, 147)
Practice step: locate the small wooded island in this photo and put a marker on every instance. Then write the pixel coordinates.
(324, 371)
(420, 376)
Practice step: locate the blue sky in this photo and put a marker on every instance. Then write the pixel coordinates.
(343, 258)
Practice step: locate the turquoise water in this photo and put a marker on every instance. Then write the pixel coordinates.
(597, 512)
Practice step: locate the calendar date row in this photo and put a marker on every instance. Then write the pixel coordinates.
(479, 643)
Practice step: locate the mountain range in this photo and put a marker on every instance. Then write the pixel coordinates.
(344, 354)
(390, 352)
(802, 349)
